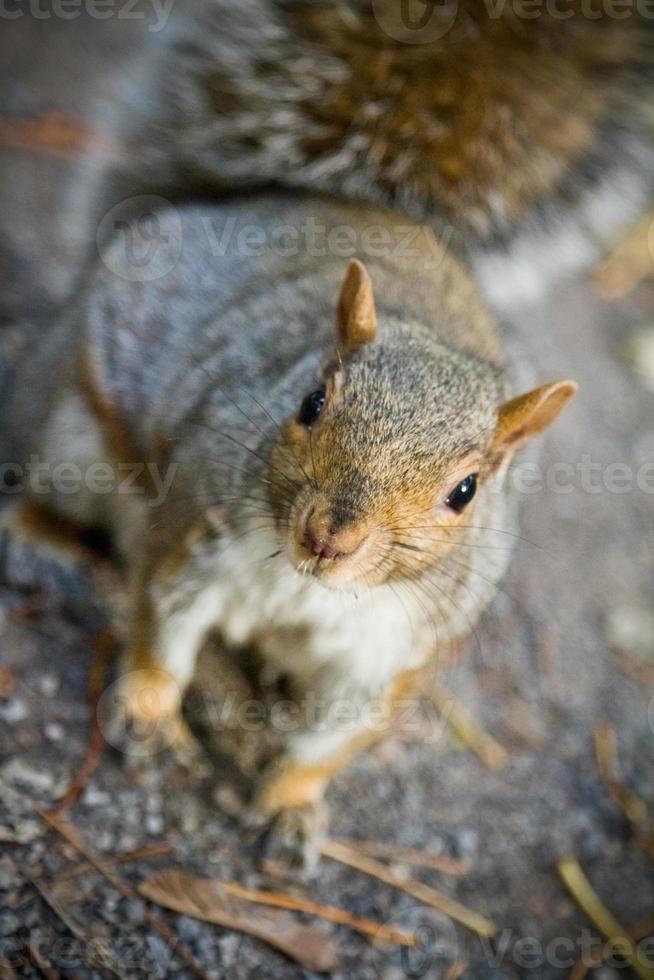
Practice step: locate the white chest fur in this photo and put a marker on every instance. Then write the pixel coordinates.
(321, 637)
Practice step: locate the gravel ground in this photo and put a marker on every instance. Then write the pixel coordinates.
(550, 659)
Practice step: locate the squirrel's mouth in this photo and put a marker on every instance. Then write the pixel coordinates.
(333, 554)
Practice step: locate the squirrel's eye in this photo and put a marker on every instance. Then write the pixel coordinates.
(462, 494)
(311, 407)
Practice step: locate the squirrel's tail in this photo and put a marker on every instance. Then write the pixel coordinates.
(501, 126)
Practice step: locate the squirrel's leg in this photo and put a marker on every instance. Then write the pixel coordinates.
(292, 788)
(156, 668)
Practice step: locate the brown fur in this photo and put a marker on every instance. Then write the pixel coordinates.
(460, 125)
(501, 112)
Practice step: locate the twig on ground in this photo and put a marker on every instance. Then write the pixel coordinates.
(634, 809)
(159, 849)
(70, 833)
(491, 753)
(424, 893)
(368, 927)
(7, 681)
(581, 890)
(7, 971)
(96, 743)
(408, 855)
(41, 964)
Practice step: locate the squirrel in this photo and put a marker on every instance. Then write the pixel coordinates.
(522, 133)
(333, 437)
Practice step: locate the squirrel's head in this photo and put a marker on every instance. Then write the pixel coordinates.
(381, 469)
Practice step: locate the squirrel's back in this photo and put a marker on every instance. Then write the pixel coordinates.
(245, 290)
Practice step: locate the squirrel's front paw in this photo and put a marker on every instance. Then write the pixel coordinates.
(296, 837)
(140, 715)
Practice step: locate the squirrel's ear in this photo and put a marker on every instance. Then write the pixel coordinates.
(527, 415)
(356, 320)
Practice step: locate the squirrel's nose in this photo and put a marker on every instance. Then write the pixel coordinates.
(320, 540)
(320, 546)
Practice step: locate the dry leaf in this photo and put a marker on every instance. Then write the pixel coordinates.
(203, 898)
(100, 954)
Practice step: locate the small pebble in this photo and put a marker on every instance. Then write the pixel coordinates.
(229, 947)
(9, 924)
(188, 929)
(154, 823)
(54, 732)
(228, 800)
(631, 628)
(160, 953)
(48, 685)
(134, 912)
(95, 797)
(466, 842)
(13, 711)
(8, 875)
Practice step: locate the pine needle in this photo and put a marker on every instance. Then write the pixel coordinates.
(491, 753)
(408, 855)
(639, 930)
(423, 893)
(581, 890)
(606, 754)
(367, 927)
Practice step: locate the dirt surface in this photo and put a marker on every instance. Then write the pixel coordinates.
(569, 642)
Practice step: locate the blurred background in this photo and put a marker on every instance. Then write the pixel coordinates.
(563, 663)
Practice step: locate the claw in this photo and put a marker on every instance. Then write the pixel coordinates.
(296, 837)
